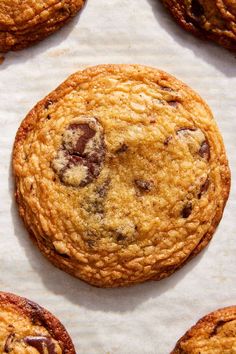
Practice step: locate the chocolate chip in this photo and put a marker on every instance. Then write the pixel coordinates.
(196, 8)
(144, 185)
(48, 103)
(48, 117)
(120, 237)
(103, 188)
(123, 239)
(165, 88)
(90, 243)
(204, 187)
(218, 326)
(95, 203)
(186, 211)
(64, 10)
(167, 140)
(80, 158)
(204, 150)
(196, 141)
(173, 103)
(126, 234)
(91, 238)
(36, 314)
(41, 343)
(122, 148)
(7, 347)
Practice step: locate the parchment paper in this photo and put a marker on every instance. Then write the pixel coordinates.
(150, 317)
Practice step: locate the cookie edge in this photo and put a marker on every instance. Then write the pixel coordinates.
(176, 9)
(212, 318)
(49, 321)
(29, 41)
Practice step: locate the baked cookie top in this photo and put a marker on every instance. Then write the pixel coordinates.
(213, 334)
(25, 22)
(121, 174)
(26, 328)
(212, 19)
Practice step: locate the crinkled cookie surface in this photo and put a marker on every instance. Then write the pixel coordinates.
(212, 19)
(25, 22)
(121, 174)
(26, 328)
(213, 334)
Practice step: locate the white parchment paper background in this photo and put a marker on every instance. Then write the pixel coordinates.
(147, 318)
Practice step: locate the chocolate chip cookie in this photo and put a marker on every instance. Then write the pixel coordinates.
(24, 22)
(211, 19)
(214, 333)
(121, 174)
(27, 328)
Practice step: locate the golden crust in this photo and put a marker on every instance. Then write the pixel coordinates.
(23, 322)
(210, 19)
(159, 201)
(23, 23)
(214, 333)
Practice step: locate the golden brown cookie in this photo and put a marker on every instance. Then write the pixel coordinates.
(27, 328)
(121, 174)
(211, 19)
(24, 22)
(213, 334)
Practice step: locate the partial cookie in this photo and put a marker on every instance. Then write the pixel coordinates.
(24, 22)
(214, 333)
(211, 19)
(27, 328)
(121, 174)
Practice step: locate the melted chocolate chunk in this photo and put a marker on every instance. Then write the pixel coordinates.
(90, 237)
(36, 314)
(120, 237)
(88, 133)
(123, 148)
(218, 326)
(167, 140)
(41, 343)
(187, 210)
(124, 239)
(82, 153)
(9, 340)
(168, 89)
(200, 144)
(103, 188)
(204, 150)
(48, 103)
(64, 10)
(96, 204)
(173, 103)
(143, 185)
(204, 187)
(196, 8)
(91, 243)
